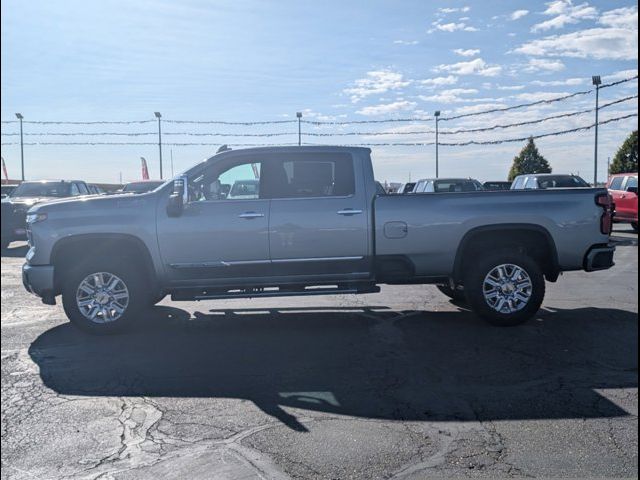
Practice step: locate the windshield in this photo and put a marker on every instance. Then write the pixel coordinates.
(561, 181)
(141, 187)
(42, 189)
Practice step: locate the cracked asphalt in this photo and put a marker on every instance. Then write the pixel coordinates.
(402, 384)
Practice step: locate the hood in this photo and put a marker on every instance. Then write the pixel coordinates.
(97, 202)
(26, 201)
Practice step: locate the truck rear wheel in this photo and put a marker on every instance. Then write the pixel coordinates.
(104, 297)
(506, 287)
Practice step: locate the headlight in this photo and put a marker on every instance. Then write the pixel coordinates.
(35, 217)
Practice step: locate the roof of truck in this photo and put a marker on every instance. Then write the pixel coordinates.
(292, 149)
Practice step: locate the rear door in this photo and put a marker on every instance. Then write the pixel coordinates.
(319, 226)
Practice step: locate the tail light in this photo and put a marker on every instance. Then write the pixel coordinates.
(605, 201)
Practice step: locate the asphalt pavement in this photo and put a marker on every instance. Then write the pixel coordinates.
(402, 384)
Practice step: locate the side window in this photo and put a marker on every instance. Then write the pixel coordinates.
(236, 182)
(73, 191)
(82, 188)
(429, 187)
(616, 183)
(632, 182)
(312, 175)
(530, 183)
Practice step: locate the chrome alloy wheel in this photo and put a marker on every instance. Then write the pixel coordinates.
(102, 297)
(507, 288)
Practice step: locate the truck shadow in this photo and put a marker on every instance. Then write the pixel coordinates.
(364, 361)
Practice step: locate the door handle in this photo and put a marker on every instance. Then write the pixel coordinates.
(250, 215)
(349, 211)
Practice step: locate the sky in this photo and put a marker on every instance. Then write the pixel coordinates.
(251, 61)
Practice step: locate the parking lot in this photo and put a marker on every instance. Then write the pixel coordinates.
(399, 384)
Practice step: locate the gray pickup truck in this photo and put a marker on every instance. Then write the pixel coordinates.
(312, 224)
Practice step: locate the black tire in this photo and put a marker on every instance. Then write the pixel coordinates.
(634, 225)
(474, 287)
(457, 295)
(131, 276)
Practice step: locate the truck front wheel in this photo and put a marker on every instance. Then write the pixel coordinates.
(506, 287)
(102, 298)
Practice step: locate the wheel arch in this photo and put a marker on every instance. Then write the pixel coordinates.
(119, 245)
(534, 239)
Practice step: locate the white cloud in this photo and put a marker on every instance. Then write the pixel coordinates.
(620, 75)
(537, 64)
(510, 87)
(599, 43)
(439, 81)
(387, 108)
(376, 82)
(454, 10)
(406, 42)
(626, 17)
(518, 14)
(452, 27)
(557, 83)
(481, 107)
(565, 13)
(536, 96)
(473, 67)
(467, 53)
(449, 96)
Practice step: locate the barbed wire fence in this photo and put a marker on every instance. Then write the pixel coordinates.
(307, 135)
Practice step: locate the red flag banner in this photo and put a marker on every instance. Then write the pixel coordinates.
(145, 170)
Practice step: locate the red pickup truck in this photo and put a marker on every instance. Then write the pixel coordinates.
(623, 187)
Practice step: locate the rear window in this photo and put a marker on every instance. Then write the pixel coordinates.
(561, 181)
(42, 189)
(311, 175)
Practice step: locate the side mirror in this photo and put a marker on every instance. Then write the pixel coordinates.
(175, 206)
(632, 190)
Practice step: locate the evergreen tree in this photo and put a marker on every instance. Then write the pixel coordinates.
(529, 160)
(626, 159)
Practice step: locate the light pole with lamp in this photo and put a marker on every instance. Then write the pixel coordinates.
(437, 115)
(597, 82)
(20, 117)
(299, 115)
(158, 116)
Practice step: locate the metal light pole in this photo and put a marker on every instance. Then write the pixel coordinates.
(20, 117)
(597, 82)
(158, 116)
(171, 163)
(299, 115)
(437, 115)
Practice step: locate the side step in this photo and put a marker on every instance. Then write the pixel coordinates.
(217, 294)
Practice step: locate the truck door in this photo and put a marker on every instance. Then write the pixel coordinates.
(626, 201)
(319, 225)
(222, 233)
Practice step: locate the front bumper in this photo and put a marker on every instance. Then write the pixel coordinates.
(599, 257)
(39, 280)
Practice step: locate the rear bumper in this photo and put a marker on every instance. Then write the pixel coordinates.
(599, 257)
(39, 280)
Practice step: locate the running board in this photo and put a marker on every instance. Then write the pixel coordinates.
(203, 294)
